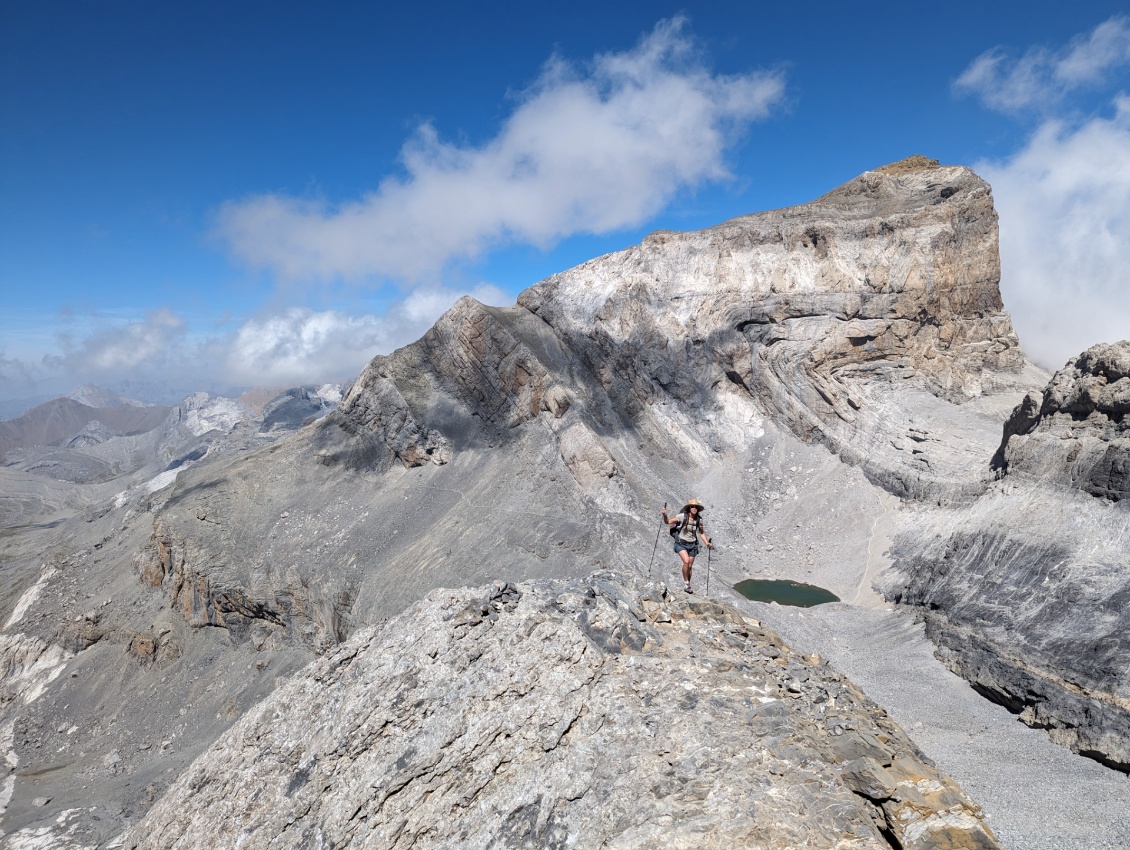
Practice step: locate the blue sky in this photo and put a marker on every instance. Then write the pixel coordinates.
(252, 193)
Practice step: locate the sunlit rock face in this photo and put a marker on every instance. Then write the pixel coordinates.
(847, 320)
(581, 713)
(1077, 431)
(829, 314)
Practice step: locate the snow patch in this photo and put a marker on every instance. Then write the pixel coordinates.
(330, 393)
(161, 481)
(29, 596)
(28, 665)
(205, 413)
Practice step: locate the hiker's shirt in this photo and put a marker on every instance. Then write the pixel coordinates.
(688, 533)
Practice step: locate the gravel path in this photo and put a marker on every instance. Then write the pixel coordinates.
(1035, 795)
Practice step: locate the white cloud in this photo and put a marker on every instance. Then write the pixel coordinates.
(293, 346)
(1064, 204)
(300, 346)
(149, 345)
(582, 152)
(1043, 76)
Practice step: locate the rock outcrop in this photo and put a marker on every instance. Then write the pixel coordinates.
(564, 714)
(1077, 432)
(1027, 590)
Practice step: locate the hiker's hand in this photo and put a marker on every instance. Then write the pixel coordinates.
(709, 544)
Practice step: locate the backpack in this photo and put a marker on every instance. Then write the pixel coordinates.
(676, 530)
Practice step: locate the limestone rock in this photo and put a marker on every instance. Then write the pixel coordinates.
(826, 314)
(293, 408)
(561, 714)
(1077, 432)
(865, 320)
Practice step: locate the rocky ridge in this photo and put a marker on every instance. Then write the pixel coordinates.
(564, 714)
(55, 421)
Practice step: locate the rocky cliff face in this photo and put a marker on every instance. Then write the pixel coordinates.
(565, 714)
(866, 321)
(825, 315)
(1027, 590)
(1077, 432)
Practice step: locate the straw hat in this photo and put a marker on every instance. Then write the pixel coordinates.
(694, 503)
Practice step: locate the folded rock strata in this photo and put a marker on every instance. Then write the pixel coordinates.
(863, 320)
(826, 313)
(564, 714)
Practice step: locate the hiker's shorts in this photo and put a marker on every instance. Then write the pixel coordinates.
(690, 548)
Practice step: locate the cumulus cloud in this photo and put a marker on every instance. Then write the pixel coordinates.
(291, 346)
(15, 372)
(584, 151)
(1043, 76)
(300, 345)
(1064, 204)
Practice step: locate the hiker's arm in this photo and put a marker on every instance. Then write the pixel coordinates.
(705, 536)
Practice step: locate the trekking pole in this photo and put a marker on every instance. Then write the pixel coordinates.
(708, 550)
(655, 547)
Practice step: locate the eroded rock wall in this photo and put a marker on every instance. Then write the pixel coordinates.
(825, 314)
(1077, 431)
(1027, 590)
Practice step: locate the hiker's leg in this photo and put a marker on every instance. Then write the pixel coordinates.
(688, 565)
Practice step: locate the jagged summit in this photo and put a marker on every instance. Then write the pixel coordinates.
(1076, 432)
(909, 165)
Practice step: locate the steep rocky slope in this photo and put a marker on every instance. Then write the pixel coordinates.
(1027, 590)
(869, 320)
(847, 319)
(564, 714)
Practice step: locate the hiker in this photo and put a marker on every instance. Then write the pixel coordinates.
(685, 527)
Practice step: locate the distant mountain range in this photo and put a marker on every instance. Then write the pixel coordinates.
(51, 423)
